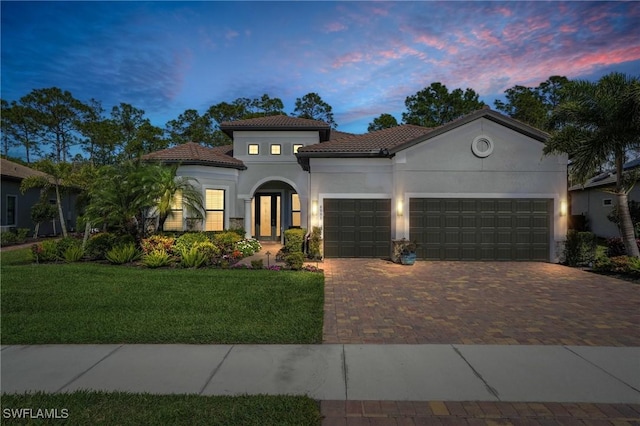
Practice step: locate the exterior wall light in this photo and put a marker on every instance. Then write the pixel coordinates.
(399, 207)
(314, 207)
(563, 208)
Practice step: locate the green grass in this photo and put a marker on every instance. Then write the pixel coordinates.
(96, 303)
(89, 408)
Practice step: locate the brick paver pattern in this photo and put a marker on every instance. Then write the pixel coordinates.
(399, 413)
(376, 301)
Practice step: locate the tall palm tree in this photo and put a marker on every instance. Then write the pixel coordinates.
(598, 122)
(168, 188)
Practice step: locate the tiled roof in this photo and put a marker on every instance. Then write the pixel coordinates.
(275, 121)
(193, 153)
(18, 171)
(368, 142)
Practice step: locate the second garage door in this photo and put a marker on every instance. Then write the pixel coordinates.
(357, 227)
(481, 229)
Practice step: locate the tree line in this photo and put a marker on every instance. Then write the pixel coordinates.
(596, 123)
(47, 123)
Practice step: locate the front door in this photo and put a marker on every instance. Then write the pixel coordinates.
(267, 216)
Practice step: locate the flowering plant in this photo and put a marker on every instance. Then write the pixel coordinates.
(248, 247)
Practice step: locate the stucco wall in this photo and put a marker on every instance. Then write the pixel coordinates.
(445, 166)
(590, 203)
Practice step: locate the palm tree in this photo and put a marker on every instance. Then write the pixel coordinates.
(117, 197)
(169, 189)
(598, 122)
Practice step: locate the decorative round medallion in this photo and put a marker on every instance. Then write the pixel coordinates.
(482, 146)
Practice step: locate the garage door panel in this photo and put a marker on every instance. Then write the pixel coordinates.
(357, 227)
(482, 229)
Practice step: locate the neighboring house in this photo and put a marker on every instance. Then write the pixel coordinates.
(593, 201)
(478, 188)
(16, 207)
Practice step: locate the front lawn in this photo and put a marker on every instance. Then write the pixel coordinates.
(118, 408)
(96, 303)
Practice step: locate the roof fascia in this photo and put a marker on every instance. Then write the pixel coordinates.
(503, 120)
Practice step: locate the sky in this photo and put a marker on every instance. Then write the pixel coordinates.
(363, 58)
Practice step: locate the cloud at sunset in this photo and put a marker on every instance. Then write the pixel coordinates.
(363, 58)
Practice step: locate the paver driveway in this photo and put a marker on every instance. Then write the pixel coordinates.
(376, 301)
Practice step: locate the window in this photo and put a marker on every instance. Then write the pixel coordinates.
(12, 207)
(275, 149)
(297, 146)
(254, 149)
(607, 202)
(295, 210)
(214, 205)
(174, 219)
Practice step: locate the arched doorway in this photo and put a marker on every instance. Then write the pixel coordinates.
(275, 207)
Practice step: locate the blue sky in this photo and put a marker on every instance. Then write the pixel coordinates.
(363, 58)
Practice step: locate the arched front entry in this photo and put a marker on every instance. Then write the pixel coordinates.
(275, 207)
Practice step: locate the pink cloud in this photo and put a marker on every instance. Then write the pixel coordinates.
(334, 27)
(347, 59)
(231, 34)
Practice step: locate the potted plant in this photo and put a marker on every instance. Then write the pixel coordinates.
(405, 251)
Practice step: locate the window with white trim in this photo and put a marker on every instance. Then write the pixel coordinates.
(295, 210)
(174, 219)
(12, 210)
(607, 202)
(214, 206)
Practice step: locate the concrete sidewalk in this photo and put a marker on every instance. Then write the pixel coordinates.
(334, 371)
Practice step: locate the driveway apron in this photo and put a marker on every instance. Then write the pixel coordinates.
(376, 301)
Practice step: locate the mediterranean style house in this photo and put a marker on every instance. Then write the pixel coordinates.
(477, 188)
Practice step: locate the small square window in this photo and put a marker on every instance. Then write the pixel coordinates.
(297, 146)
(607, 202)
(254, 149)
(275, 149)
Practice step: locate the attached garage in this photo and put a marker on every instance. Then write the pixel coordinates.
(481, 229)
(357, 227)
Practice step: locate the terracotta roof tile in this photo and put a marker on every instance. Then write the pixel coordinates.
(275, 121)
(193, 153)
(368, 142)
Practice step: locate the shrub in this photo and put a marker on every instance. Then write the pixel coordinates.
(314, 243)
(64, 243)
(226, 241)
(311, 268)
(73, 254)
(257, 264)
(615, 247)
(208, 249)
(157, 242)
(13, 237)
(580, 248)
(156, 259)
(294, 239)
(186, 241)
(99, 244)
(123, 254)
(602, 262)
(248, 247)
(8, 238)
(46, 251)
(294, 260)
(192, 258)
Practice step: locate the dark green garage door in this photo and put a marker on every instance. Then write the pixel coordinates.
(481, 229)
(357, 228)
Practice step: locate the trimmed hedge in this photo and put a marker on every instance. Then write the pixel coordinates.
(294, 240)
(580, 248)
